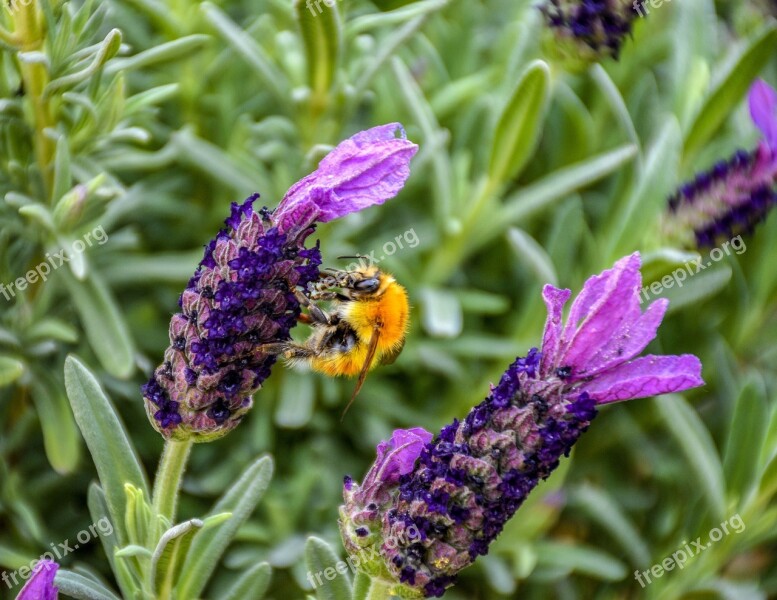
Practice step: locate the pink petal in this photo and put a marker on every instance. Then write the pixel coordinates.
(368, 168)
(618, 291)
(555, 299)
(646, 376)
(763, 110)
(629, 339)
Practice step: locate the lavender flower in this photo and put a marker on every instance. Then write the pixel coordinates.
(592, 28)
(472, 478)
(41, 584)
(242, 294)
(735, 194)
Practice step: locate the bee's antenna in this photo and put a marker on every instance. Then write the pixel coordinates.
(359, 256)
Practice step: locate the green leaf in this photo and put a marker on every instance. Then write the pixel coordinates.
(114, 457)
(559, 184)
(255, 56)
(60, 436)
(532, 255)
(322, 35)
(77, 586)
(519, 127)
(171, 550)
(104, 324)
(98, 510)
(581, 559)
(10, 370)
(745, 440)
(731, 89)
(208, 546)
(295, 402)
(320, 558)
(107, 50)
(600, 506)
(648, 198)
(253, 583)
(698, 448)
(184, 47)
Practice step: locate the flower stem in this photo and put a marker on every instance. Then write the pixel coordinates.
(379, 590)
(169, 476)
(29, 34)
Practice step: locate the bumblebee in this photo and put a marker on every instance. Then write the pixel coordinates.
(365, 327)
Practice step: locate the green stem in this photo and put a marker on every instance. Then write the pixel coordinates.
(29, 31)
(379, 590)
(169, 476)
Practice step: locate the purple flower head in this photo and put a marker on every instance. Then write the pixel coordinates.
(243, 294)
(470, 480)
(41, 584)
(733, 196)
(592, 28)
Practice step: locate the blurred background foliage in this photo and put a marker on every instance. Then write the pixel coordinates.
(147, 118)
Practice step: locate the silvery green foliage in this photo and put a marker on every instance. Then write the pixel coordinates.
(159, 118)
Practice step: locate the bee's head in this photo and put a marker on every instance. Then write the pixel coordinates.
(364, 281)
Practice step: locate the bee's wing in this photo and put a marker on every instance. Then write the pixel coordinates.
(371, 349)
(389, 357)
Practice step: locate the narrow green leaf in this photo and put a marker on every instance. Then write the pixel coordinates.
(745, 440)
(116, 460)
(731, 89)
(169, 51)
(600, 506)
(648, 198)
(107, 50)
(531, 254)
(98, 510)
(322, 35)
(581, 559)
(246, 47)
(561, 183)
(519, 127)
(295, 403)
(171, 550)
(104, 324)
(60, 436)
(80, 587)
(253, 583)
(697, 446)
(320, 558)
(208, 546)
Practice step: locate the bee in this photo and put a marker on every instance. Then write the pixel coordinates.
(365, 327)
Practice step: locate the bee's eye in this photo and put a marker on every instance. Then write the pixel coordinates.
(368, 285)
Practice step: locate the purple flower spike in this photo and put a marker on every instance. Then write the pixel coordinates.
(41, 585)
(593, 29)
(369, 168)
(732, 197)
(242, 295)
(472, 478)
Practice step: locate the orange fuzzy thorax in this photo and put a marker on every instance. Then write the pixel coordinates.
(388, 313)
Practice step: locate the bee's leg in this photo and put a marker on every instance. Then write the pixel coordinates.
(316, 314)
(288, 350)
